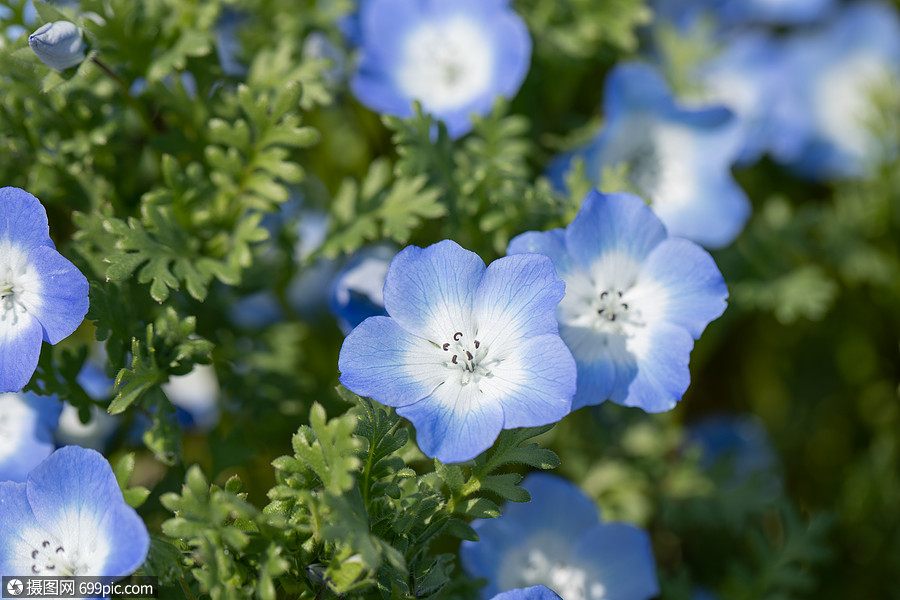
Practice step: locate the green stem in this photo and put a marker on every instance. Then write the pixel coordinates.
(186, 589)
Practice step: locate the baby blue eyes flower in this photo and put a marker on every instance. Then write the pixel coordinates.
(836, 73)
(678, 159)
(466, 351)
(27, 422)
(42, 295)
(636, 299)
(69, 518)
(453, 56)
(557, 540)
(59, 45)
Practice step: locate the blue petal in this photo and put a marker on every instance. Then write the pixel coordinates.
(620, 558)
(20, 347)
(17, 524)
(430, 291)
(595, 363)
(549, 243)
(382, 360)
(631, 87)
(74, 493)
(684, 278)
(517, 298)
(535, 592)
(455, 423)
(613, 223)
(23, 220)
(656, 365)
(28, 434)
(126, 532)
(62, 302)
(534, 383)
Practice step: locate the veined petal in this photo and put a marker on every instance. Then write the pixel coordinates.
(620, 559)
(20, 530)
(595, 363)
(20, 347)
(430, 291)
(71, 494)
(610, 225)
(549, 243)
(382, 360)
(516, 299)
(653, 374)
(125, 532)
(456, 422)
(23, 220)
(60, 301)
(534, 383)
(680, 283)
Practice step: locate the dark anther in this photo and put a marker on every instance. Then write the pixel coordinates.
(600, 311)
(453, 360)
(45, 543)
(34, 569)
(60, 549)
(612, 317)
(50, 567)
(446, 346)
(620, 294)
(469, 354)
(477, 343)
(457, 335)
(34, 554)
(624, 306)
(603, 295)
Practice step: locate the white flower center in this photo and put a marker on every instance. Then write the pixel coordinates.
(468, 359)
(446, 65)
(569, 581)
(19, 285)
(51, 558)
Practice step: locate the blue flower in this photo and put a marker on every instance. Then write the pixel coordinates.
(42, 295)
(835, 72)
(535, 592)
(466, 351)
(69, 518)
(686, 14)
(678, 159)
(27, 422)
(356, 292)
(557, 540)
(636, 299)
(59, 45)
(750, 77)
(453, 56)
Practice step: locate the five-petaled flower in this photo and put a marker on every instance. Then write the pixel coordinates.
(453, 56)
(42, 295)
(636, 299)
(557, 540)
(679, 159)
(466, 351)
(69, 518)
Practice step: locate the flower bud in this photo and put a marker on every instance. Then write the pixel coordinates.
(59, 45)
